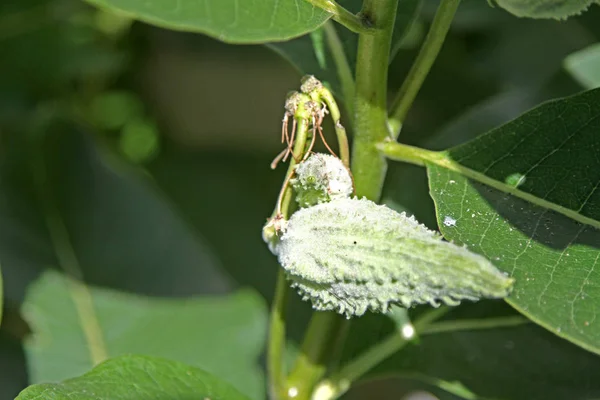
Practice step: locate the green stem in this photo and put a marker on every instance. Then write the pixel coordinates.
(342, 65)
(422, 157)
(370, 115)
(339, 383)
(276, 349)
(476, 324)
(342, 16)
(420, 68)
(276, 346)
(326, 96)
(314, 356)
(411, 154)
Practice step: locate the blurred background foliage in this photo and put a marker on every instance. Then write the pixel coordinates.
(141, 156)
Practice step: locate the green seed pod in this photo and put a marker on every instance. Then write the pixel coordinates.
(350, 255)
(321, 178)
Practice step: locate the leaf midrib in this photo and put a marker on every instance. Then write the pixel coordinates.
(446, 162)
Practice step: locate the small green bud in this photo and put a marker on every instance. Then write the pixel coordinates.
(351, 255)
(321, 178)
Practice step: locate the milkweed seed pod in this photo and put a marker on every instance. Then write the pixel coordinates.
(321, 178)
(350, 255)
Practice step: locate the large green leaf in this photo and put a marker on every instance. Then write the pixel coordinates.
(558, 9)
(233, 21)
(538, 216)
(584, 66)
(71, 323)
(137, 377)
(310, 54)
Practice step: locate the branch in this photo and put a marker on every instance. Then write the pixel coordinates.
(474, 324)
(342, 65)
(423, 63)
(422, 157)
(343, 16)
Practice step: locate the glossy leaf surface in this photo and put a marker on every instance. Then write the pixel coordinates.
(236, 21)
(137, 377)
(541, 222)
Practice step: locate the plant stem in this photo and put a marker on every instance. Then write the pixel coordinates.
(313, 360)
(342, 16)
(339, 383)
(276, 349)
(344, 71)
(326, 96)
(410, 154)
(474, 324)
(422, 157)
(370, 115)
(276, 345)
(420, 68)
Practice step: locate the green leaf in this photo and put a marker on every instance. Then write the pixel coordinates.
(232, 21)
(538, 216)
(518, 363)
(73, 324)
(137, 377)
(584, 66)
(304, 52)
(557, 9)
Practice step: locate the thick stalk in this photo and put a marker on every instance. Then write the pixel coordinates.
(419, 70)
(313, 360)
(370, 106)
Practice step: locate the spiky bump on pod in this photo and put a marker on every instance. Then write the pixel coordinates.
(321, 178)
(351, 255)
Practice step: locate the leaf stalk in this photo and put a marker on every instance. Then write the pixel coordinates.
(343, 16)
(422, 65)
